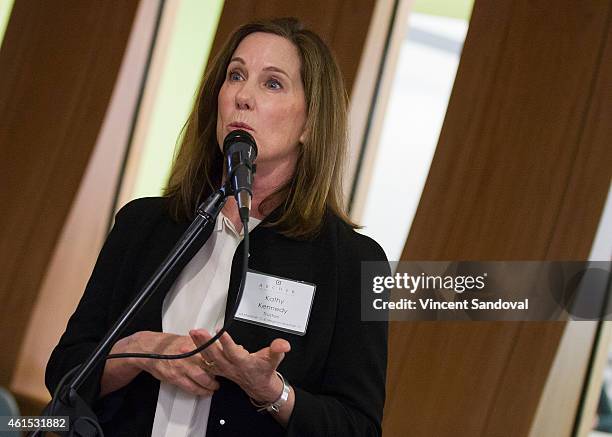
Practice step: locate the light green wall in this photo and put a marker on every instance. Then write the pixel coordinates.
(6, 6)
(445, 8)
(189, 46)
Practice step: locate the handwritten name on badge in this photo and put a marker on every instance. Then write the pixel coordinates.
(275, 302)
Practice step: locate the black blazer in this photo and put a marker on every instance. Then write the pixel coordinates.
(337, 369)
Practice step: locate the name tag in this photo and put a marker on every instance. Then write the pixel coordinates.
(276, 302)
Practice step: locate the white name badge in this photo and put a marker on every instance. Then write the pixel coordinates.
(276, 302)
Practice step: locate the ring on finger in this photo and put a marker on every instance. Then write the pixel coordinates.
(208, 365)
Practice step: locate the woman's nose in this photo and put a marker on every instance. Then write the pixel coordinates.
(244, 98)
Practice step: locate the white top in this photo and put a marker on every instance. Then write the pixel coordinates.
(196, 300)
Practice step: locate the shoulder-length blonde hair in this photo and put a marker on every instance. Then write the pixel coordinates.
(317, 182)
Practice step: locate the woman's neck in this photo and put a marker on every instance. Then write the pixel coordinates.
(267, 179)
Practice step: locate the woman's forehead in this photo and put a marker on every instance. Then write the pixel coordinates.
(261, 50)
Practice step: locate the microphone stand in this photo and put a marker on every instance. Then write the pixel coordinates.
(67, 402)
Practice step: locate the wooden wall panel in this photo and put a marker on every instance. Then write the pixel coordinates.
(58, 66)
(343, 24)
(521, 172)
(592, 162)
(590, 173)
(86, 225)
(512, 132)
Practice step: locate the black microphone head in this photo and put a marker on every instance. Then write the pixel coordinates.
(240, 138)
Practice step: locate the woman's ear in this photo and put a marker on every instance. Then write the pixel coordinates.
(304, 135)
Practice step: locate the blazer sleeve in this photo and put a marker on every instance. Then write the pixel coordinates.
(353, 390)
(90, 321)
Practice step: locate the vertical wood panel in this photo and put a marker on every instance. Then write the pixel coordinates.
(592, 164)
(511, 133)
(58, 66)
(591, 172)
(521, 172)
(86, 225)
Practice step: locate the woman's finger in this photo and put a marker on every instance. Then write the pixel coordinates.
(213, 353)
(203, 379)
(201, 336)
(278, 348)
(232, 351)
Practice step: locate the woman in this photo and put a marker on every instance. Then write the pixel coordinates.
(280, 83)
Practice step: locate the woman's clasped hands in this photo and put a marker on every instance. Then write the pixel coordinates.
(186, 373)
(254, 372)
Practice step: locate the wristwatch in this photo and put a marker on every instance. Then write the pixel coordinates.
(274, 407)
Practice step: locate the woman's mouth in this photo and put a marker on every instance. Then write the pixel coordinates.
(240, 125)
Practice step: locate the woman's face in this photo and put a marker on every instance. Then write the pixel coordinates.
(263, 95)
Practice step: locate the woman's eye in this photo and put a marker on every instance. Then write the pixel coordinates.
(273, 84)
(234, 75)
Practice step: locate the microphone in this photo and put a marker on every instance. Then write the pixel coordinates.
(240, 152)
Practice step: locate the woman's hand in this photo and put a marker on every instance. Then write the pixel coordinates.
(186, 373)
(254, 372)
